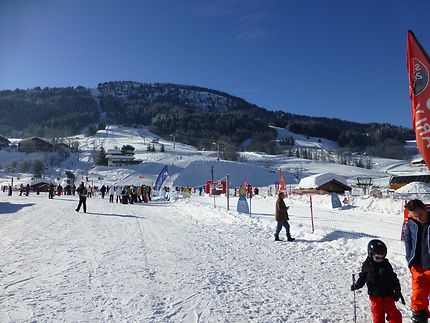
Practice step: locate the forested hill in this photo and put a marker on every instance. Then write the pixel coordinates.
(193, 114)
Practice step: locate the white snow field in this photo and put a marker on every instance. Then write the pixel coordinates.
(188, 261)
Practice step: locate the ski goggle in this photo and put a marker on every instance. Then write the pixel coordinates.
(376, 257)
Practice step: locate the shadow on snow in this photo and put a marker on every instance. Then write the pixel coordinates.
(117, 215)
(12, 208)
(339, 234)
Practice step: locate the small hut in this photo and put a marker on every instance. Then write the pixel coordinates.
(323, 183)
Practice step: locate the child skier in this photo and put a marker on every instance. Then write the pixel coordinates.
(382, 284)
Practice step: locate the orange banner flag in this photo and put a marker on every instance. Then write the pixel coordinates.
(418, 64)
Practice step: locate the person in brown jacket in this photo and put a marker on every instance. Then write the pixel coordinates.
(281, 216)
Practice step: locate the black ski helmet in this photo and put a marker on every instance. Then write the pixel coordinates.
(376, 247)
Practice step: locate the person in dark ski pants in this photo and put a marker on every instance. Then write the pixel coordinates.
(383, 286)
(281, 217)
(103, 191)
(417, 241)
(82, 191)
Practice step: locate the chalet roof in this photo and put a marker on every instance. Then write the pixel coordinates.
(4, 140)
(36, 139)
(318, 180)
(120, 157)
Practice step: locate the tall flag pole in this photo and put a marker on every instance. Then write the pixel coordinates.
(418, 63)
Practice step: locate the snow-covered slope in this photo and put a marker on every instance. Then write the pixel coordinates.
(187, 261)
(306, 141)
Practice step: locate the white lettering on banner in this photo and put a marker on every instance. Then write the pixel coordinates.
(422, 126)
(423, 129)
(428, 104)
(417, 73)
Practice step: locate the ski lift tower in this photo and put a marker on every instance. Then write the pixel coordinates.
(364, 183)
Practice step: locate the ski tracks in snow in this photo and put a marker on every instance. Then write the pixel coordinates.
(173, 262)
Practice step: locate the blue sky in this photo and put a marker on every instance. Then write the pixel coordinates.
(340, 58)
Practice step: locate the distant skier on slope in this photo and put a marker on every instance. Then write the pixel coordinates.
(281, 217)
(382, 283)
(82, 191)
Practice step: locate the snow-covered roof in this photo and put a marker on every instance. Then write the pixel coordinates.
(114, 152)
(317, 180)
(40, 180)
(123, 157)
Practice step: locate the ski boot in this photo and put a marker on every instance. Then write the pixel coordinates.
(419, 316)
(277, 237)
(290, 238)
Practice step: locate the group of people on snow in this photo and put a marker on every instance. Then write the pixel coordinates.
(128, 194)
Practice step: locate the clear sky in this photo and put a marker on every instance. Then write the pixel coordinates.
(339, 58)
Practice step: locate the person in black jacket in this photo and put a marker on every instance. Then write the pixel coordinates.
(82, 191)
(382, 283)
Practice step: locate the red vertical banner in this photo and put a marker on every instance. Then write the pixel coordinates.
(282, 185)
(418, 64)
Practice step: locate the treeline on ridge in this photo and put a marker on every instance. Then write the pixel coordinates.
(59, 112)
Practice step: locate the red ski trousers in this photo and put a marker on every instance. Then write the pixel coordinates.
(382, 305)
(420, 288)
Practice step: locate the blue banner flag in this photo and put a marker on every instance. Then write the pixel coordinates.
(161, 178)
(335, 201)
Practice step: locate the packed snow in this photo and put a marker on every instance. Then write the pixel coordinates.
(187, 261)
(190, 259)
(414, 187)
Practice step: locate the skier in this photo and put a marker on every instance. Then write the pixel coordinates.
(281, 216)
(27, 190)
(82, 191)
(382, 283)
(242, 191)
(51, 191)
(418, 256)
(149, 192)
(118, 193)
(103, 191)
(111, 193)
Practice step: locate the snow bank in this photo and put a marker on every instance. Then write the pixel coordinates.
(414, 187)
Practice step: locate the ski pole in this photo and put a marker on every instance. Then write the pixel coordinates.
(355, 308)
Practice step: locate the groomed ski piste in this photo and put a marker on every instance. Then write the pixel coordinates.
(189, 259)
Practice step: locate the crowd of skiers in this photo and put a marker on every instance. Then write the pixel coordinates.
(128, 194)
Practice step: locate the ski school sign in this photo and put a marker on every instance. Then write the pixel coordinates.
(418, 63)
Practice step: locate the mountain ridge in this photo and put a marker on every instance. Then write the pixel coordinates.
(176, 109)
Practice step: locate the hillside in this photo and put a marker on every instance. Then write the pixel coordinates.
(194, 115)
